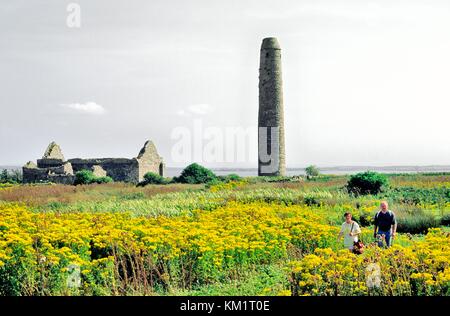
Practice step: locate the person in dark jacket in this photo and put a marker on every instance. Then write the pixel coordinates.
(385, 225)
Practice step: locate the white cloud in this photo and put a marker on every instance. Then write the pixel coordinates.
(87, 108)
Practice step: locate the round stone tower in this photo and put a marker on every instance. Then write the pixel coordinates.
(271, 150)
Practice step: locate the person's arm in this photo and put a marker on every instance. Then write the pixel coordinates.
(357, 232)
(375, 226)
(394, 226)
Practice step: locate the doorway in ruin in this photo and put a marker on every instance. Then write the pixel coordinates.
(161, 169)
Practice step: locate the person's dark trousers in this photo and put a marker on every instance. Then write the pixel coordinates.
(387, 236)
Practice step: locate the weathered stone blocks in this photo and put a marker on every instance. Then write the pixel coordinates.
(271, 141)
(53, 167)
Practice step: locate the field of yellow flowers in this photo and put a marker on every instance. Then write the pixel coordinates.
(420, 269)
(235, 238)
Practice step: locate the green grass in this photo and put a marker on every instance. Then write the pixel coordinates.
(417, 196)
(419, 201)
(261, 280)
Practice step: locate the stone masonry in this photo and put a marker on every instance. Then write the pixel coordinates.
(271, 144)
(54, 168)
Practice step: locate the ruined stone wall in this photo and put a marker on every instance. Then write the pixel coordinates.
(59, 174)
(49, 162)
(32, 175)
(149, 161)
(119, 169)
(150, 166)
(61, 178)
(53, 168)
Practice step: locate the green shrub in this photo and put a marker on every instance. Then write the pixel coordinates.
(84, 177)
(100, 180)
(12, 176)
(213, 182)
(195, 174)
(415, 196)
(311, 200)
(416, 223)
(367, 183)
(153, 178)
(88, 177)
(229, 177)
(4, 176)
(445, 220)
(312, 171)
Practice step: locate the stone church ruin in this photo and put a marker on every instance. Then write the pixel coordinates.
(53, 167)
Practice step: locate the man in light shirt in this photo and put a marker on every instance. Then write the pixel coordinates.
(350, 230)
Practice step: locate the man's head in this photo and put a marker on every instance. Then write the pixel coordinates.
(384, 206)
(348, 217)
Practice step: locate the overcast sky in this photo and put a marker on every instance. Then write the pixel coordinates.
(365, 82)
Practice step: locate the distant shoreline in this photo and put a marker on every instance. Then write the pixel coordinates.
(336, 170)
